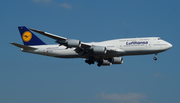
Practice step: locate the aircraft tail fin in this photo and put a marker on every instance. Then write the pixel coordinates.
(29, 39)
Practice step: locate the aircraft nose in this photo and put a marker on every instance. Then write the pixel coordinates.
(169, 45)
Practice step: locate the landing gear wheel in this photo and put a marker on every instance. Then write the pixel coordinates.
(155, 58)
(90, 60)
(98, 65)
(86, 61)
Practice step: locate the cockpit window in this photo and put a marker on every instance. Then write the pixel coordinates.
(159, 39)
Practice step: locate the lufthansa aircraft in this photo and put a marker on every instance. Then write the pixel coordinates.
(104, 53)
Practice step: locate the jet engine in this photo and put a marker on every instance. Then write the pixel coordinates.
(116, 60)
(104, 63)
(73, 43)
(99, 50)
(70, 43)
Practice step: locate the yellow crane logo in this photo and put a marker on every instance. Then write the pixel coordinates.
(26, 36)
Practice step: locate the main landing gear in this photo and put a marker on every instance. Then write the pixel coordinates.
(155, 57)
(90, 60)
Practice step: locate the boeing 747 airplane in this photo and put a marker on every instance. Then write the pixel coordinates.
(104, 53)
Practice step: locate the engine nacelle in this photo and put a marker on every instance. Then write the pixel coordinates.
(99, 50)
(117, 60)
(73, 43)
(70, 43)
(104, 62)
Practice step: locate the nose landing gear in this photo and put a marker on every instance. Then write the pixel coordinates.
(155, 57)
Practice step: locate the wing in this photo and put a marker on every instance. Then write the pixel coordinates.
(64, 41)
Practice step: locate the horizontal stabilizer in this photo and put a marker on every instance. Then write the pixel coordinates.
(23, 46)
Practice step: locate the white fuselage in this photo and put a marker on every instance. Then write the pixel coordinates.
(129, 46)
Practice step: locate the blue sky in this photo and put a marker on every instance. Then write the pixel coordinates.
(30, 78)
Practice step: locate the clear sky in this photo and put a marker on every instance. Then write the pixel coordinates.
(30, 78)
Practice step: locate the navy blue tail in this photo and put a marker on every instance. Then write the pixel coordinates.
(29, 38)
